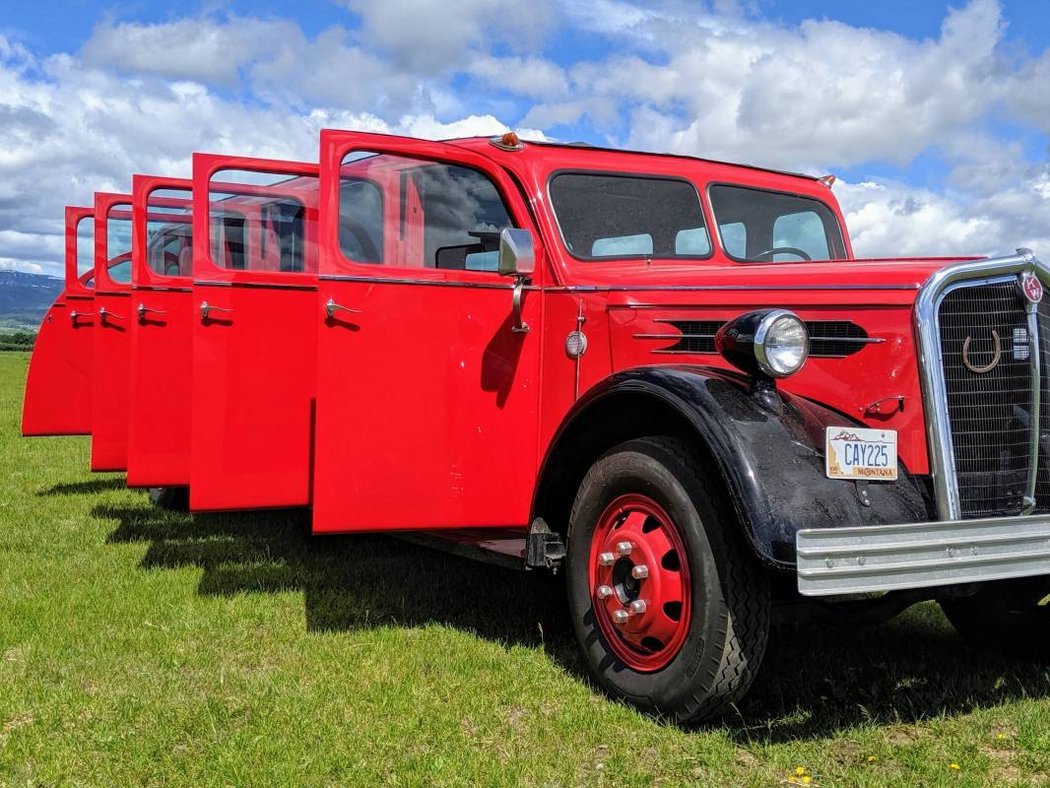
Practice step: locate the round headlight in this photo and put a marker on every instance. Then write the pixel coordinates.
(770, 342)
(781, 343)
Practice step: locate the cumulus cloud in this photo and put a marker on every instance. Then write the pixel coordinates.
(69, 130)
(711, 79)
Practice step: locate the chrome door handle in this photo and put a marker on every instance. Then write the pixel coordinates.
(103, 313)
(144, 310)
(331, 307)
(207, 309)
(75, 314)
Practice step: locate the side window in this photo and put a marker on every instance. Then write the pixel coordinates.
(260, 221)
(802, 230)
(734, 238)
(401, 211)
(86, 251)
(118, 243)
(361, 220)
(169, 231)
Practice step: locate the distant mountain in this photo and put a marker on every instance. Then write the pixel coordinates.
(24, 298)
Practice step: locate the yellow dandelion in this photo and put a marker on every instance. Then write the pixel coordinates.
(800, 770)
(806, 779)
(1000, 736)
(955, 766)
(872, 759)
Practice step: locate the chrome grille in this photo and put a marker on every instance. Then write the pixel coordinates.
(985, 355)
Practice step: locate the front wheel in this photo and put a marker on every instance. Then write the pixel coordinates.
(1011, 616)
(669, 606)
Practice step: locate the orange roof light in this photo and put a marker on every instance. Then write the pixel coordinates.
(509, 141)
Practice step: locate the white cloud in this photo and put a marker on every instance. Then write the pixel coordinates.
(709, 79)
(435, 35)
(26, 267)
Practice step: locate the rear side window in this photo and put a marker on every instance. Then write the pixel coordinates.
(616, 216)
(86, 251)
(263, 221)
(169, 231)
(772, 227)
(118, 243)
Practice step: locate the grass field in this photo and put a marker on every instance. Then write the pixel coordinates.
(138, 647)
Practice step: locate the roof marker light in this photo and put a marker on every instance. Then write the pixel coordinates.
(828, 180)
(509, 142)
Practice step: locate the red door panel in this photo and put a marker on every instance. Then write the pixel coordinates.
(111, 343)
(427, 400)
(254, 333)
(58, 385)
(161, 334)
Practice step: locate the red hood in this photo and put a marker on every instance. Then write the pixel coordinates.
(887, 282)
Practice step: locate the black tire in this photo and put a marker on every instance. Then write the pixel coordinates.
(1005, 616)
(174, 499)
(728, 629)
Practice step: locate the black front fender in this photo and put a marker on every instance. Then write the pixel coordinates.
(771, 459)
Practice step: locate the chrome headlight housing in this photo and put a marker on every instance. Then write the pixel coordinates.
(770, 342)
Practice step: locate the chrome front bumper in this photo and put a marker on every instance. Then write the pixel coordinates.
(863, 559)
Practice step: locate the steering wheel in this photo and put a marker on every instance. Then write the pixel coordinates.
(768, 254)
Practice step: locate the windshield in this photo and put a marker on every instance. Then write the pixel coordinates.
(617, 216)
(763, 226)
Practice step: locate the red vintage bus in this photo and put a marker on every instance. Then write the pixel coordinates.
(666, 375)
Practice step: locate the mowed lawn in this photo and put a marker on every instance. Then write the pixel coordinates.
(144, 647)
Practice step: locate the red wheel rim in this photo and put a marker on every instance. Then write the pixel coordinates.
(639, 582)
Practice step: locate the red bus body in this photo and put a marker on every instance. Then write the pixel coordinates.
(161, 336)
(254, 340)
(58, 384)
(111, 342)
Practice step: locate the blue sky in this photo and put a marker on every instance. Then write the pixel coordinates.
(934, 116)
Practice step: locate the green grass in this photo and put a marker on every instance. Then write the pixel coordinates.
(138, 647)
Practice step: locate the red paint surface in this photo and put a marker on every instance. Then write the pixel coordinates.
(427, 402)
(58, 385)
(254, 367)
(161, 352)
(110, 350)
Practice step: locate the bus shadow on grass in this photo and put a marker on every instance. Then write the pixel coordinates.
(816, 680)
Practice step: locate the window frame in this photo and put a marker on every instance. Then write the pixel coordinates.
(636, 176)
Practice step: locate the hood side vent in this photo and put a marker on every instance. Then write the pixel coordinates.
(828, 338)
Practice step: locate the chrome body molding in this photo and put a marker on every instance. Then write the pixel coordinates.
(931, 368)
(867, 559)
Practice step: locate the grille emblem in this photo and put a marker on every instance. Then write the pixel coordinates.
(991, 364)
(1032, 288)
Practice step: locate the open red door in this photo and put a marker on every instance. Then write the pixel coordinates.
(58, 386)
(254, 332)
(161, 336)
(426, 371)
(111, 345)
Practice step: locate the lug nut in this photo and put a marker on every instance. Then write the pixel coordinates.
(604, 592)
(624, 548)
(640, 572)
(620, 616)
(638, 607)
(606, 559)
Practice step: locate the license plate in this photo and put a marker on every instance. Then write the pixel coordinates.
(852, 453)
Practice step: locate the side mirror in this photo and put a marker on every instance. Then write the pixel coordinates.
(517, 253)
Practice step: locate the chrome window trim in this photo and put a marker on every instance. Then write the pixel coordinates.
(931, 369)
